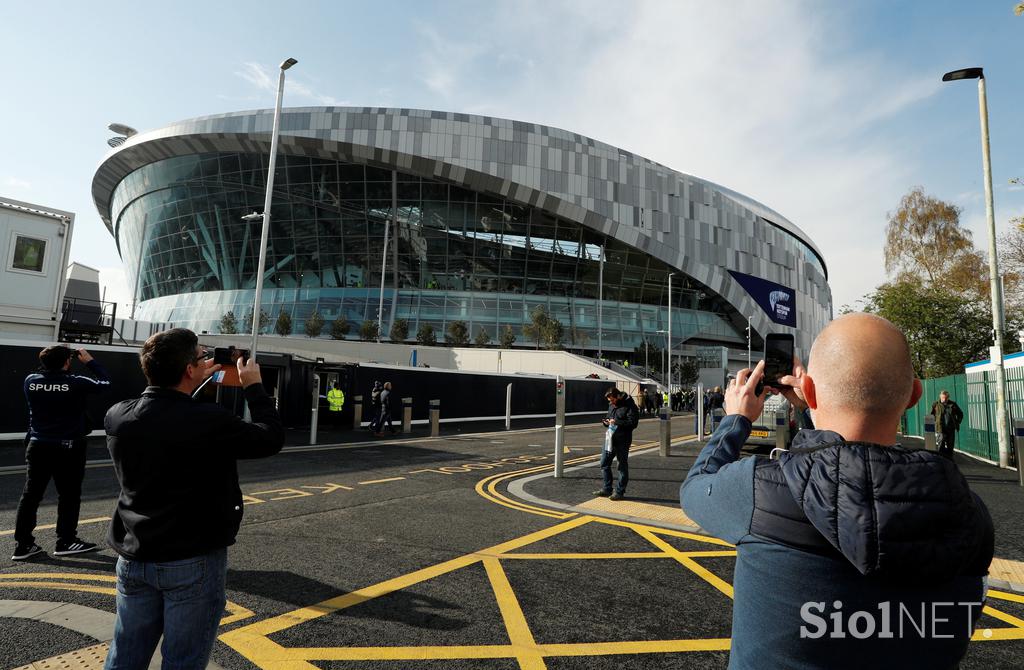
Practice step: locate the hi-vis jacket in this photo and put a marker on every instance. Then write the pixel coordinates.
(57, 402)
(335, 400)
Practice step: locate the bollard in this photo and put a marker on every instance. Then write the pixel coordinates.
(699, 418)
(357, 412)
(508, 406)
(315, 412)
(781, 429)
(929, 432)
(1018, 433)
(559, 424)
(406, 415)
(435, 418)
(665, 426)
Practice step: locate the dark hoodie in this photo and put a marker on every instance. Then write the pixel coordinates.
(889, 542)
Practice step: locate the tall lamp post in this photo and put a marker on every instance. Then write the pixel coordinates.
(669, 343)
(261, 265)
(600, 305)
(993, 263)
(663, 332)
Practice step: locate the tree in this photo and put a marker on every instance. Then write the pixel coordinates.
(264, 321)
(544, 329)
(340, 328)
(686, 372)
(228, 323)
(1019, 9)
(508, 337)
(924, 238)
(314, 324)
(483, 338)
(368, 331)
(651, 353)
(944, 328)
(579, 337)
(458, 334)
(283, 327)
(399, 330)
(425, 335)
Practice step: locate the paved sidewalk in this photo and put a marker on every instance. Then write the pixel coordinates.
(652, 497)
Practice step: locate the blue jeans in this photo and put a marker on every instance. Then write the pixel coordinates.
(182, 600)
(621, 453)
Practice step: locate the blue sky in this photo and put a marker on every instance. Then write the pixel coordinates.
(826, 111)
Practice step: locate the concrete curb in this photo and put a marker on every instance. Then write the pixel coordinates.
(89, 621)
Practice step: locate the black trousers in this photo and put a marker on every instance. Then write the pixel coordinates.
(66, 466)
(945, 442)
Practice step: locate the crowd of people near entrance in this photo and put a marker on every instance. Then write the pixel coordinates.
(842, 524)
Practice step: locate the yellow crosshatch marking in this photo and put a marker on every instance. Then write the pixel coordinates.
(253, 641)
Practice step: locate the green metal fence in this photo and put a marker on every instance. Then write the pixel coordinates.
(976, 394)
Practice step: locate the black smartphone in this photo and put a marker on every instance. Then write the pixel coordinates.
(778, 359)
(228, 355)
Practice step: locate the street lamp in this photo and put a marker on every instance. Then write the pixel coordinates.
(600, 305)
(663, 332)
(669, 343)
(996, 355)
(266, 208)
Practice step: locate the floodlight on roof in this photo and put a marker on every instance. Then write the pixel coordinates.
(122, 129)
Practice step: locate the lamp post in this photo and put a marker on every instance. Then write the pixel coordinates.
(669, 342)
(266, 208)
(996, 355)
(600, 305)
(663, 332)
(748, 342)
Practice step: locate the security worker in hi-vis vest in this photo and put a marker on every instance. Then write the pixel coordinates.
(56, 447)
(335, 402)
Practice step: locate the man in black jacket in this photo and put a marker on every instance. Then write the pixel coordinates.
(180, 505)
(948, 417)
(56, 447)
(622, 418)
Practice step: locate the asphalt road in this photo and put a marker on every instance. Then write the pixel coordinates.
(370, 556)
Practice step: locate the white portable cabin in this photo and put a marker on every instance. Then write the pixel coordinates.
(35, 242)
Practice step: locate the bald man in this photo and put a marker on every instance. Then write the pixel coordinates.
(852, 552)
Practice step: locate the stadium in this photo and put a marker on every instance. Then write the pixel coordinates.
(491, 218)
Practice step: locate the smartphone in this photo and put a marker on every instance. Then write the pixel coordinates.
(228, 355)
(778, 357)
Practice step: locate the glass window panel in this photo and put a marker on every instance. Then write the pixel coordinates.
(29, 254)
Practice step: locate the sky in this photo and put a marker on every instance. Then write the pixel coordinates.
(826, 111)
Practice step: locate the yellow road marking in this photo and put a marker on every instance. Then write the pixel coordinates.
(640, 647)
(381, 481)
(667, 531)
(702, 572)
(1003, 595)
(60, 575)
(98, 519)
(573, 557)
(515, 621)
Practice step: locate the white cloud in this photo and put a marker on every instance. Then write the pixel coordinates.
(766, 98)
(265, 79)
(20, 184)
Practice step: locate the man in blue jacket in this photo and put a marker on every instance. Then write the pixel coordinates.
(56, 447)
(852, 552)
(180, 504)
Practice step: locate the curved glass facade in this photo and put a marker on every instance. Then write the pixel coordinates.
(459, 254)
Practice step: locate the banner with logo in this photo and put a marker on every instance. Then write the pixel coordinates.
(777, 301)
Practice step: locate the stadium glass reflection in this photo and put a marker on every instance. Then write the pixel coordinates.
(461, 255)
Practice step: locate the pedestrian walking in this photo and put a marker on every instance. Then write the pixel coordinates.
(385, 411)
(375, 406)
(948, 417)
(180, 505)
(622, 418)
(56, 445)
(716, 407)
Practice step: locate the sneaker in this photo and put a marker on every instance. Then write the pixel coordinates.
(617, 496)
(75, 546)
(601, 493)
(23, 551)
